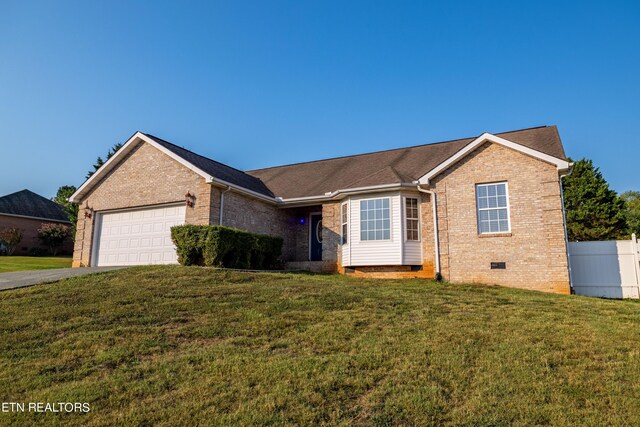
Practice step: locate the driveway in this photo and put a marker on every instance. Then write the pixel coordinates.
(21, 279)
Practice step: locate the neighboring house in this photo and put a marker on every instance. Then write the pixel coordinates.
(27, 211)
(485, 209)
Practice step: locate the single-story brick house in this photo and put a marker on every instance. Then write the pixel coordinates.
(486, 209)
(27, 211)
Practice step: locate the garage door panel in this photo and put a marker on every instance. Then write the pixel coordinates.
(138, 237)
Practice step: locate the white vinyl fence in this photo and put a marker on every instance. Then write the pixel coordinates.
(609, 269)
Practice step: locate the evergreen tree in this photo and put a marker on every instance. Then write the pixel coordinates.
(99, 162)
(594, 211)
(71, 209)
(632, 198)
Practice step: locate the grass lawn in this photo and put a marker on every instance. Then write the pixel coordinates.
(188, 346)
(21, 263)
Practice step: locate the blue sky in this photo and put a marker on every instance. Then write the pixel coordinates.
(256, 84)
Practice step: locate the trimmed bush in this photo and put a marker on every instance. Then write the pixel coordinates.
(217, 246)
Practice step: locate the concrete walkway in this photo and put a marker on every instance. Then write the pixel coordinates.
(22, 279)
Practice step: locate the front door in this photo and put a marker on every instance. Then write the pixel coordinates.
(315, 251)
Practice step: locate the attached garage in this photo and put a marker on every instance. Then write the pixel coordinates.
(137, 236)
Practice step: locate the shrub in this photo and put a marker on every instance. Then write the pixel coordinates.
(189, 241)
(36, 251)
(218, 246)
(53, 235)
(10, 239)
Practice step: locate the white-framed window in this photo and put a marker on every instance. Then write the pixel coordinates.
(412, 219)
(375, 219)
(492, 201)
(344, 220)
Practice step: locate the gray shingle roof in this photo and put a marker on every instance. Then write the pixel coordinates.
(387, 167)
(216, 169)
(28, 203)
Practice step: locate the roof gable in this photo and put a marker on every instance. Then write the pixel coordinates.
(29, 204)
(561, 164)
(210, 170)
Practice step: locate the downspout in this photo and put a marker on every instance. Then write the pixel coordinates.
(435, 228)
(222, 202)
(566, 235)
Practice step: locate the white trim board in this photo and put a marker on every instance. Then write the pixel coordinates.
(36, 218)
(562, 165)
(122, 152)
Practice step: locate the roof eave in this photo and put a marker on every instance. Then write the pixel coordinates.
(561, 164)
(110, 164)
(342, 193)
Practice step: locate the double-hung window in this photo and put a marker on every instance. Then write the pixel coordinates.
(493, 208)
(344, 216)
(411, 216)
(375, 222)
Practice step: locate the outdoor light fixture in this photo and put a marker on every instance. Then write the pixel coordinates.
(88, 212)
(302, 221)
(190, 199)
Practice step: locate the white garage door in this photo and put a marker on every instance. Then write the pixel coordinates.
(138, 237)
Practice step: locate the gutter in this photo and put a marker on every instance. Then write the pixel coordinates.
(435, 228)
(220, 182)
(569, 171)
(339, 194)
(222, 203)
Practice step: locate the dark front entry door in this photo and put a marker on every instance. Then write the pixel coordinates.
(316, 237)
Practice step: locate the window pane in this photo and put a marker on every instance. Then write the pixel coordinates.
(492, 209)
(374, 218)
(386, 234)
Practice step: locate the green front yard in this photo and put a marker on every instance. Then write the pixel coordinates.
(188, 346)
(21, 263)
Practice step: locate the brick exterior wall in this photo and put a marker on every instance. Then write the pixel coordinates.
(145, 177)
(331, 237)
(255, 216)
(534, 251)
(29, 227)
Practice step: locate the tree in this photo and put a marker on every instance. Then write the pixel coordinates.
(53, 235)
(62, 198)
(99, 162)
(594, 211)
(632, 198)
(10, 238)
